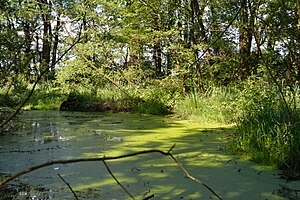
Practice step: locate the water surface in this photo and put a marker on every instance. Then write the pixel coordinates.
(52, 135)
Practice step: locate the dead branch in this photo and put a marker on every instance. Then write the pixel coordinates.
(149, 197)
(193, 178)
(68, 186)
(110, 172)
(105, 158)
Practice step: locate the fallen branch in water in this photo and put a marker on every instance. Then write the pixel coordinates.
(69, 186)
(110, 172)
(105, 158)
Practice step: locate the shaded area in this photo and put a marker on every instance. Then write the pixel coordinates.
(76, 102)
(45, 136)
(93, 103)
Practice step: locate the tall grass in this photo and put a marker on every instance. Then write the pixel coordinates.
(266, 129)
(46, 99)
(271, 136)
(215, 106)
(269, 130)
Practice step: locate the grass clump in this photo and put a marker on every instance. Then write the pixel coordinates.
(268, 131)
(215, 106)
(271, 136)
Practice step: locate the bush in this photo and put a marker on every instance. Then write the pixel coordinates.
(150, 106)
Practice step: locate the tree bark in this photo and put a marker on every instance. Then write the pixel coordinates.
(46, 48)
(55, 43)
(198, 13)
(27, 51)
(298, 30)
(157, 47)
(245, 40)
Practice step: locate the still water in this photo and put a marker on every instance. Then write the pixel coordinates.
(45, 136)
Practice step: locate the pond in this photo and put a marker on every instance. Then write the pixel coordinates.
(45, 136)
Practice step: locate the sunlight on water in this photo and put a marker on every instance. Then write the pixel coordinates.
(51, 135)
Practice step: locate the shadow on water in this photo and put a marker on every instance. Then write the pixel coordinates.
(45, 136)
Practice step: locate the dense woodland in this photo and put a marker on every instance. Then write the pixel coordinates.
(215, 61)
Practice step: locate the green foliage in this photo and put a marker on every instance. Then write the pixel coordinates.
(216, 106)
(267, 130)
(10, 101)
(254, 95)
(5, 112)
(271, 136)
(150, 106)
(13, 93)
(46, 99)
(159, 96)
(77, 74)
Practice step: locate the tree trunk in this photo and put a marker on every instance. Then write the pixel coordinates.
(171, 25)
(55, 43)
(198, 13)
(298, 28)
(256, 32)
(46, 48)
(27, 51)
(157, 47)
(245, 41)
(181, 42)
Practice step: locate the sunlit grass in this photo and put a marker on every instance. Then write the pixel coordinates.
(216, 107)
(272, 137)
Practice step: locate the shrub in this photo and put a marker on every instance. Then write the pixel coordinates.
(150, 106)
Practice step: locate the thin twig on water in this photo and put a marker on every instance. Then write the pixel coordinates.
(68, 186)
(112, 175)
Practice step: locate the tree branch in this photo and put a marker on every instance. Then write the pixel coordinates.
(68, 186)
(105, 158)
(193, 178)
(110, 172)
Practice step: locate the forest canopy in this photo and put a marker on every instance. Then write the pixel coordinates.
(200, 41)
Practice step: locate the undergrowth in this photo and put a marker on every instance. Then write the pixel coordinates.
(267, 128)
(215, 106)
(271, 136)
